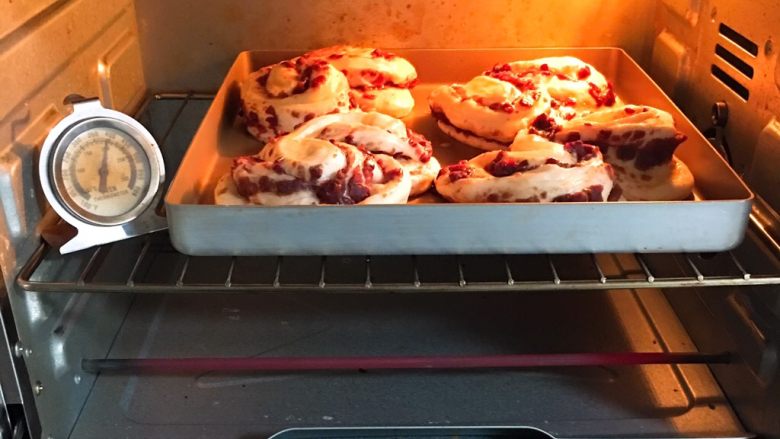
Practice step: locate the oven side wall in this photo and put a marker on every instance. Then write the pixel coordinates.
(696, 43)
(707, 51)
(48, 50)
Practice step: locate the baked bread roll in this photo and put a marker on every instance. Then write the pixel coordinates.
(533, 169)
(314, 172)
(278, 98)
(379, 133)
(378, 80)
(491, 109)
(639, 142)
(350, 158)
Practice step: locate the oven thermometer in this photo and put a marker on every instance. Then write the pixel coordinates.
(101, 171)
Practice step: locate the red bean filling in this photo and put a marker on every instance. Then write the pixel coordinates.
(502, 165)
(572, 137)
(504, 72)
(505, 107)
(245, 161)
(312, 76)
(246, 187)
(252, 120)
(422, 145)
(591, 193)
(603, 96)
(615, 193)
(379, 53)
(378, 80)
(657, 152)
(352, 102)
(504, 198)
(458, 171)
(391, 175)
(581, 150)
(633, 145)
(544, 125)
(278, 167)
(272, 119)
(343, 189)
(334, 192)
(315, 172)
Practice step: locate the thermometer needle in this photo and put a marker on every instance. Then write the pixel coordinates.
(103, 171)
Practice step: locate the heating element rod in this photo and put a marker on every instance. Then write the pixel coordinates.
(276, 364)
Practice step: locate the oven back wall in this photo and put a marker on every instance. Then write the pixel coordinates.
(190, 44)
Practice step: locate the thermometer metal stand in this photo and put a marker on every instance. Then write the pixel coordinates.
(89, 236)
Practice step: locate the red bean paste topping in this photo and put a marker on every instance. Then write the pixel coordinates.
(506, 107)
(591, 193)
(379, 53)
(347, 187)
(582, 151)
(315, 172)
(272, 119)
(458, 171)
(544, 125)
(633, 145)
(504, 72)
(583, 73)
(377, 81)
(615, 193)
(503, 166)
(422, 145)
(603, 96)
(252, 120)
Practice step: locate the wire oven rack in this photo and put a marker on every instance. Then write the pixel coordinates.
(154, 266)
(150, 264)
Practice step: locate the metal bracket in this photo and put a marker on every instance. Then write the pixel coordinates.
(715, 134)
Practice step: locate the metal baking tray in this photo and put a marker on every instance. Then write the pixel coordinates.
(715, 220)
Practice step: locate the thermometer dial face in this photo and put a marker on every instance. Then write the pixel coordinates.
(102, 173)
(105, 172)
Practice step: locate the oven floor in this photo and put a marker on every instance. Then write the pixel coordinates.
(648, 401)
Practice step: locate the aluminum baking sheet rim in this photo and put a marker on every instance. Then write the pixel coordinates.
(189, 221)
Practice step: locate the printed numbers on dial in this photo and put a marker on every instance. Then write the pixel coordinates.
(104, 172)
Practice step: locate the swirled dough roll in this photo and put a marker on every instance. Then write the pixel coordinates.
(379, 80)
(278, 98)
(533, 169)
(347, 158)
(639, 142)
(491, 109)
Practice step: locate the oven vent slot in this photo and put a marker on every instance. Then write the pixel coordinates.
(738, 39)
(724, 54)
(729, 54)
(730, 82)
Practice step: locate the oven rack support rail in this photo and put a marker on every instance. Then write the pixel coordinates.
(185, 274)
(150, 264)
(318, 364)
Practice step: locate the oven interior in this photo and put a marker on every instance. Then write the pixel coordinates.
(137, 299)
